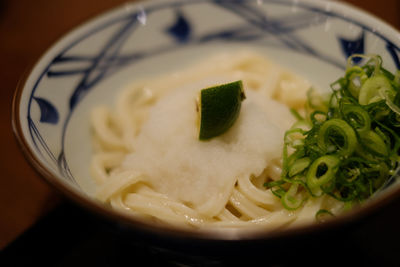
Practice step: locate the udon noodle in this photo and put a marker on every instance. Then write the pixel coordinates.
(149, 162)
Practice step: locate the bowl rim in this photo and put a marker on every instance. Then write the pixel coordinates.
(165, 230)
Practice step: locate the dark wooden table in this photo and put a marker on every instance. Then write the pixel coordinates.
(27, 29)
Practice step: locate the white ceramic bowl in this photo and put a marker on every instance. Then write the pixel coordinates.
(91, 64)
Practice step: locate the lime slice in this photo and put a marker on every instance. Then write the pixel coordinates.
(219, 107)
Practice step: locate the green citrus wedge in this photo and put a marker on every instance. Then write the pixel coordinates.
(219, 107)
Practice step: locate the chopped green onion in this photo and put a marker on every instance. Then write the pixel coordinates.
(290, 200)
(318, 117)
(369, 92)
(322, 214)
(321, 171)
(372, 142)
(388, 95)
(296, 114)
(347, 145)
(302, 124)
(337, 135)
(357, 117)
(356, 77)
(299, 166)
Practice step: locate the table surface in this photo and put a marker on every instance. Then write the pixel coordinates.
(24, 197)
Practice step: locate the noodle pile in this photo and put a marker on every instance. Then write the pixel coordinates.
(149, 162)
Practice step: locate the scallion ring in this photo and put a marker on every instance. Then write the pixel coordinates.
(337, 135)
(369, 92)
(299, 166)
(357, 117)
(291, 200)
(356, 77)
(321, 171)
(374, 144)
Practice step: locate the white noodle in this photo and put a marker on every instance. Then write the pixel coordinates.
(237, 201)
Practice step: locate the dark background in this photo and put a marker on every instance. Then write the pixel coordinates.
(38, 226)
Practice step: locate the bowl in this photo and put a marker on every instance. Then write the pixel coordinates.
(94, 62)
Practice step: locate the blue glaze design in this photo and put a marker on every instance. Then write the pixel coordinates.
(39, 141)
(181, 29)
(279, 27)
(101, 64)
(393, 50)
(48, 113)
(257, 26)
(63, 166)
(350, 47)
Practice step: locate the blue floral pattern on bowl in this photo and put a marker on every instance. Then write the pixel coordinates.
(87, 57)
